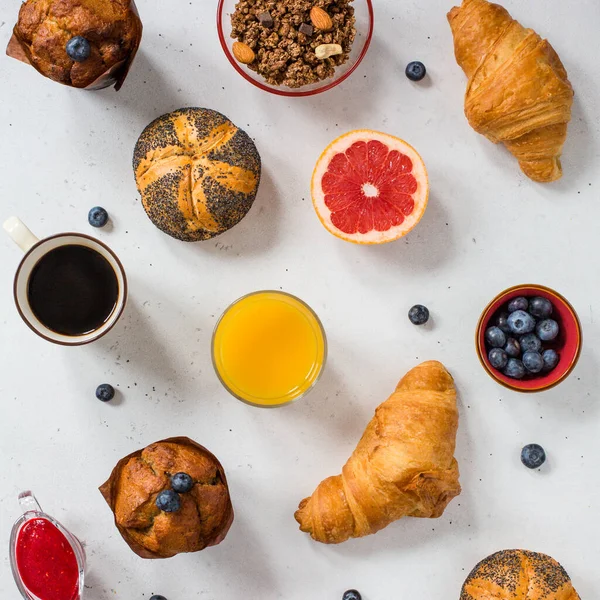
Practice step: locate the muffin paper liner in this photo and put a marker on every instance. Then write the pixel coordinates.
(114, 76)
(108, 491)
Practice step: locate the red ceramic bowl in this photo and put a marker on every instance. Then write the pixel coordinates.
(363, 11)
(567, 344)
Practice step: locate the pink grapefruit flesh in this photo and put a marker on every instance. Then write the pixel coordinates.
(369, 187)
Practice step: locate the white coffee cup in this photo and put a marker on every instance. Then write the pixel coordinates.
(35, 250)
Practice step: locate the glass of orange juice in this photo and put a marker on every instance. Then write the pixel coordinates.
(269, 348)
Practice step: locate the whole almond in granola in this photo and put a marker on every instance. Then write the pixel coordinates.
(243, 53)
(320, 19)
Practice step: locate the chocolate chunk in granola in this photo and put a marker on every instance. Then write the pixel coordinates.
(306, 29)
(266, 20)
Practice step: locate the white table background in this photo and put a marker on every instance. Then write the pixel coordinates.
(487, 227)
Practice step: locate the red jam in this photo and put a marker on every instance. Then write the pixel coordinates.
(46, 561)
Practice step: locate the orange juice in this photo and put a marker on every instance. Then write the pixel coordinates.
(269, 348)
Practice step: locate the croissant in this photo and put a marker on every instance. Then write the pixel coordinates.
(518, 91)
(402, 466)
(518, 575)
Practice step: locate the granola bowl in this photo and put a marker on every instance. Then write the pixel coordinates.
(356, 49)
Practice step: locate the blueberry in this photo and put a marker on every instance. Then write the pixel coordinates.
(182, 482)
(415, 70)
(533, 361)
(533, 456)
(168, 501)
(547, 330)
(495, 337)
(514, 369)
(97, 217)
(519, 303)
(550, 358)
(530, 343)
(78, 49)
(351, 595)
(418, 314)
(498, 358)
(105, 392)
(502, 322)
(540, 308)
(512, 348)
(521, 322)
(156, 597)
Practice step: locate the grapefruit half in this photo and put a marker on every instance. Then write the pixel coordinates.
(369, 187)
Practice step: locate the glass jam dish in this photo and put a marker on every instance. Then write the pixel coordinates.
(363, 12)
(47, 561)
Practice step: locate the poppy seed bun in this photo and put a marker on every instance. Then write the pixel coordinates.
(197, 173)
(205, 514)
(518, 575)
(112, 28)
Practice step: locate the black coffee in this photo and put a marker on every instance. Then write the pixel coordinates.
(73, 290)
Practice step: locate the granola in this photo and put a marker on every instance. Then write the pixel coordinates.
(283, 38)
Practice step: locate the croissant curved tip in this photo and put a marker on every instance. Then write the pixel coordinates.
(542, 171)
(429, 375)
(299, 514)
(433, 364)
(452, 13)
(304, 523)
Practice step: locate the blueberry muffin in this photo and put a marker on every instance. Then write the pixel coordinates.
(81, 43)
(171, 497)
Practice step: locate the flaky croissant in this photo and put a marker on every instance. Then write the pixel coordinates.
(518, 575)
(403, 465)
(518, 91)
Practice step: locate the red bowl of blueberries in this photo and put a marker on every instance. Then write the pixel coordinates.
(529, 338)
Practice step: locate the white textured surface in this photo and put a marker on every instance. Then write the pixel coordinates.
(487, 227)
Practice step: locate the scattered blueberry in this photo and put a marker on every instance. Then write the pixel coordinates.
(97, 217)
(156, 597)
(550, 358)
(105, 392)
(530, 343)
(502, 322)
(512, 348)
(498, 358)
(521, 323)
(415, 70)
(351, 595)
(418, 314)
(168, 501)
(495, 337)
(533, 362)
(541, 308)
(514, 369)
(547, 330)
(533, 456)
(78, 48)
(519, 303)
(182, 482)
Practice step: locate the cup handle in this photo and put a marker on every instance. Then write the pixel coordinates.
(28, 503)
(20, 234)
